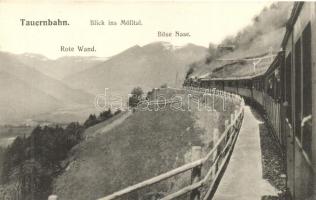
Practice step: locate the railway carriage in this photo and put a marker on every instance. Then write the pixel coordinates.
(298, 74)
(258, 89)
(287, 93)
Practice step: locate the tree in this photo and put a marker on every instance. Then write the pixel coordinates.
(105, 115)
(164, 85)
(118, 111)
(30, 164)
(92, 120)
(74, 134)
(137, 94)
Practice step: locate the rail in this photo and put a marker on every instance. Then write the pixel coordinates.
(218, 156)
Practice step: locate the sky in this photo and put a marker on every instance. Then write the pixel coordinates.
(206, 21)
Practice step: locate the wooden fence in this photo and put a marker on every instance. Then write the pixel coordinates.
(218, 157)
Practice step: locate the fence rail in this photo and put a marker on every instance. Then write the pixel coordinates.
(218, 157)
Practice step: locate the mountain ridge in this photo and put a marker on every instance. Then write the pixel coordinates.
(147, 66)
(150, 65)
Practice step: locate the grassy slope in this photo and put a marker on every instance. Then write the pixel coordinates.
(147, 144)
(91, 130)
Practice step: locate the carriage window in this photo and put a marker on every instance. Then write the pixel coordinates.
(248, 84)
(307, 90)
(288, 81)
(298, 91)
(233, 84)
(273, 93)
(277, 84)
(270, 86)
(258, 85)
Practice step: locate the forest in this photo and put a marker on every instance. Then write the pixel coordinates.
(31, 163)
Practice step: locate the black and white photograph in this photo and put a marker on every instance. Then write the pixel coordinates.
(157, 100)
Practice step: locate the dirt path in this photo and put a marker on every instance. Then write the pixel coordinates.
(115, 123)
(107, 126)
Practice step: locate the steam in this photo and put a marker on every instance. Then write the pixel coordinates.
(264, 34)
(270, 19)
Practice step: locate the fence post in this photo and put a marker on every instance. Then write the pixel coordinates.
(226, 127)
(236, 113)
(232, 117)
(196, 172)
(215, 139)
(226, 124)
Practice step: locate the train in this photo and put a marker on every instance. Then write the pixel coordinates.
(286, 92)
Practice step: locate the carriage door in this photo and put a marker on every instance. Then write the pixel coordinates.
(307, 91)
(288, 124)
(302, 110)
(306, 173)
(297, 113)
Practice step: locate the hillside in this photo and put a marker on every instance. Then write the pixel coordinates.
(263, 37)
(19, 100)
(133, 152)
(53, 87)
(149, 66)
(128, 154)
(26, 92)
(83, 77)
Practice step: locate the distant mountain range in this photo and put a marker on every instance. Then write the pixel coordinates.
(149, 66)
(61, 67)
(33, 85)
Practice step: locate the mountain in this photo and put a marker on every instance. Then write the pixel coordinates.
(61, 67)
(148, 66)
(19, 100)
(30, 77)
(41, 81)
(40, 93)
